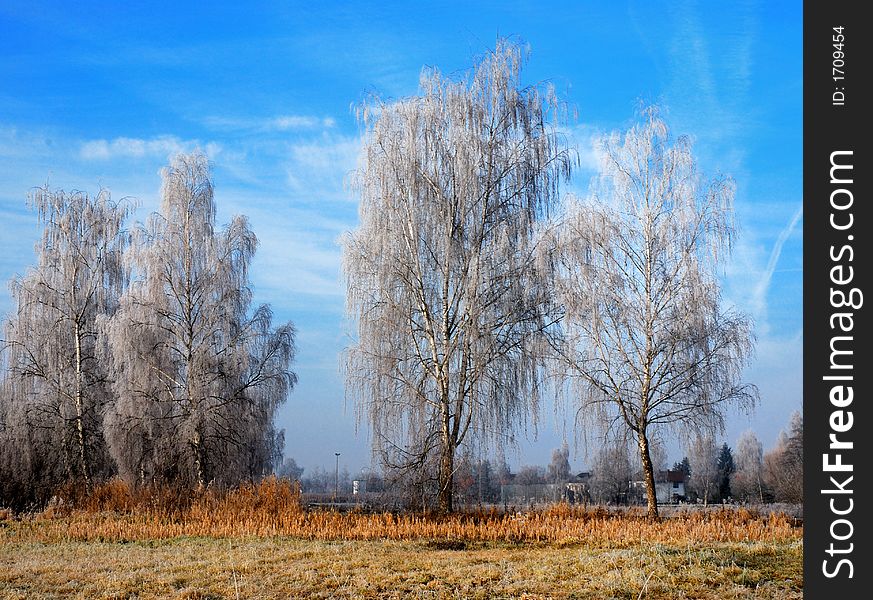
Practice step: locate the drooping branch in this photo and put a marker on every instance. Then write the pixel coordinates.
(440, 274)
(635, 269)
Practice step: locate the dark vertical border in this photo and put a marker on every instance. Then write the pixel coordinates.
(831, 125)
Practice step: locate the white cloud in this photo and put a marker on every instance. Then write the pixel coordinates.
(586, 139)
(707, 92)
(279, 123)
(287, 122)
(125, 147)
(322, 164)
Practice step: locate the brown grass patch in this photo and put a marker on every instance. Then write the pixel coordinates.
(114, 513)
(259, 542)
(293, 568)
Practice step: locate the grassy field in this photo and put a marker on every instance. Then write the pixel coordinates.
(282, 567)
(258, 543)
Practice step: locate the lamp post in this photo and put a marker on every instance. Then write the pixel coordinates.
(336, 477)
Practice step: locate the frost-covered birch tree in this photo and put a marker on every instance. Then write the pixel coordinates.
(440, 278)
(783, 464)
(703, 459)
(198, 378)
(612, 472)
(558, 470)
(748, 481)
(57, 387)
(648, 342)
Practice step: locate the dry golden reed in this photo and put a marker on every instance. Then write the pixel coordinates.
(113, 512)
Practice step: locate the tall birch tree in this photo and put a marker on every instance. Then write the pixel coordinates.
(705, 476)
(440, 278)
(612, 471)
(748, 481)
(783, 464)
(647, 341)
(198, 378)
(57, 386)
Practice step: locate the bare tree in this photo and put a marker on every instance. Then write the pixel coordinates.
(467, 486)
(647, 343)
(289, 469)
(57, 387)
(658, 453)
(748, 480)
(198, 379)
(503, 473)
(558, 470)
(612, 472)
(440, 274)
(319, 481)
(705, 475)
(487, 481)
(530, 475)
(783, 465)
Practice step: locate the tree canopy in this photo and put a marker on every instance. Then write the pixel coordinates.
(198, 378)
(647, 343)
(441, 278)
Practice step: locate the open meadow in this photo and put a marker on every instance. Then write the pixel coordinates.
(258, 542)
(459, 300)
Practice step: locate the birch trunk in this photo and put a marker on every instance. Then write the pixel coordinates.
(648, 477)
(80, 428)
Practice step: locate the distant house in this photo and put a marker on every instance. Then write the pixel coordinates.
(578, 489)
(670, 487)
(531, 494)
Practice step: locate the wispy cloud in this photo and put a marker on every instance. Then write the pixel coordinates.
(758, 257)
(27, 145)
(299, 122)
(710, 80)
(126, 147)
(691, 57)
(290, 271)
(759, 295)
(323, 163)
(586, 140)
(293, 191)
(278, 123)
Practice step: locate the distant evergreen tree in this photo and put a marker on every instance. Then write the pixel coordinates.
(683, 466)
(726, 468)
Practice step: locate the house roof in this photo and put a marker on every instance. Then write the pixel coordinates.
(671, 476)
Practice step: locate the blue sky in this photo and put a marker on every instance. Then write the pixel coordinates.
(99, 95)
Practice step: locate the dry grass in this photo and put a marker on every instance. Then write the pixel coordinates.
(257, 542)
(291, 568)
(272, 508)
